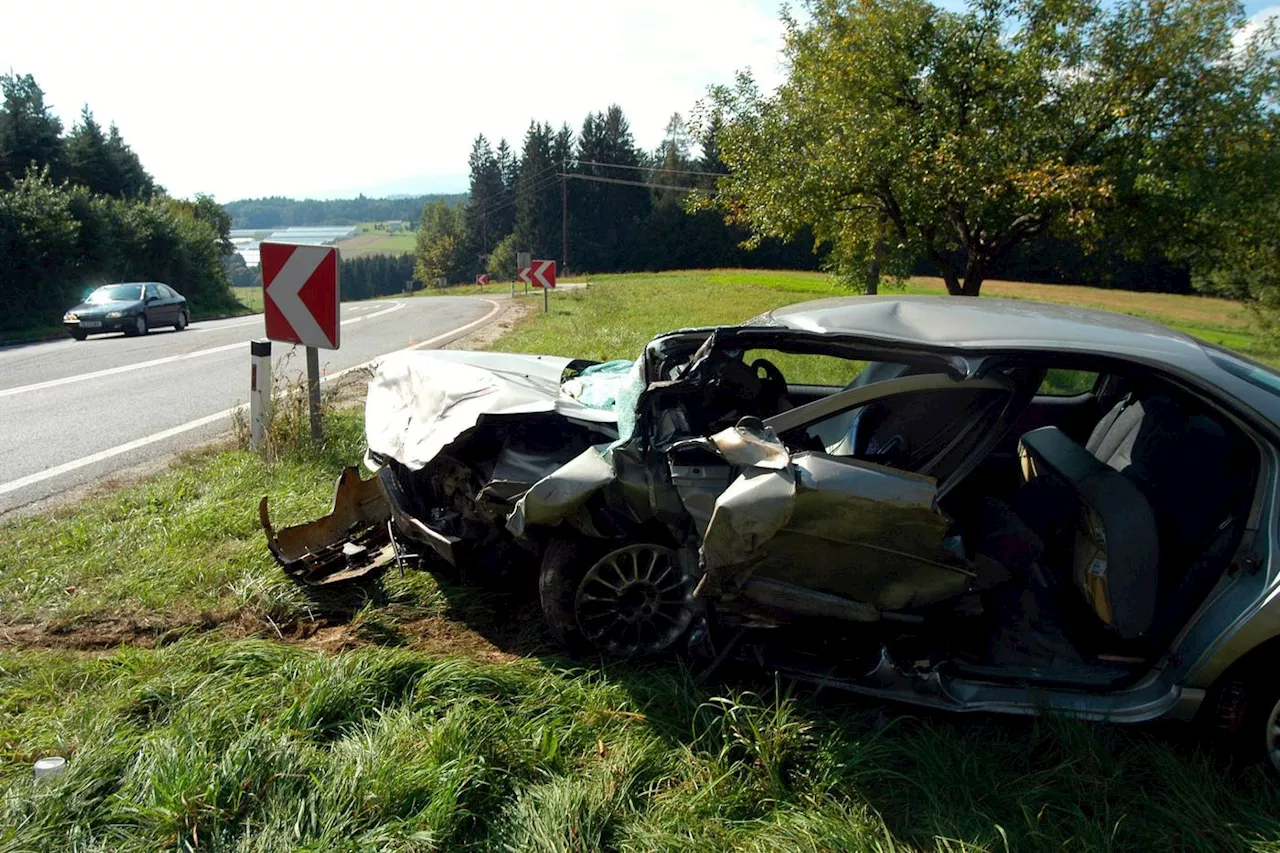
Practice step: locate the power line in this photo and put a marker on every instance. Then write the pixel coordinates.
(650, 169)
(539, 185)
(633, 183)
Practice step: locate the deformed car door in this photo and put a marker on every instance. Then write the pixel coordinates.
(851, 516)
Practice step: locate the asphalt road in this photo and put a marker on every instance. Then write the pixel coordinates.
(75, 412)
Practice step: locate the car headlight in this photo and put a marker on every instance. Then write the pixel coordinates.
(70, 318)
(114, 315)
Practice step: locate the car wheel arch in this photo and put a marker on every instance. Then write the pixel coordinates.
(1242, 669)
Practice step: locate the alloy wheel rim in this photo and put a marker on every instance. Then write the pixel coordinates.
(1273, 736)
(141, 324)
(635, 601)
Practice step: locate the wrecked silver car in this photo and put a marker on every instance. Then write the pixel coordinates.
(966, 504)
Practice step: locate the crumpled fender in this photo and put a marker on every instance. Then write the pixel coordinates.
(563, 492)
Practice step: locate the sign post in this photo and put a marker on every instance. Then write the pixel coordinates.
(543, 274)
(301, 305)
(523, 264)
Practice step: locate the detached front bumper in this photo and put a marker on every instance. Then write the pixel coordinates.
(357, 539)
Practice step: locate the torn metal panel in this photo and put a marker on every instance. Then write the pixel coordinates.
(838, 526)
(747, 515)
(866, 532)
(561, 493)
(420, 402)
(699, 475)
(351, 542)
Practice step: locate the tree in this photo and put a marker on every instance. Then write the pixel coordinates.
(905, 131)
(89, 162)
(606, 213)
(538, 195)
(501, 262)
(504, 215)
(1243, 263)
(30, 135)
(436, 246)
(486, 194)
(132, 180)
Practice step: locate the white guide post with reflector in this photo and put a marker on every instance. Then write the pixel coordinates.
(259, 391)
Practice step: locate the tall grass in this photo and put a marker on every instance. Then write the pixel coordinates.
(256, 745)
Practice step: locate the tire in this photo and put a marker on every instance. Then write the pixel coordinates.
(182, 321)
(1246, 712)
(621, 599)
(139, 326)
(79, 335)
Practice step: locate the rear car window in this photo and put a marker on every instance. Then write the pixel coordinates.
(1066, 383)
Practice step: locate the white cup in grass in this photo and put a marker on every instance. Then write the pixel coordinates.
(48, 769)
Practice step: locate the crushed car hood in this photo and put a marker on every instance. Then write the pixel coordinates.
(419, 402)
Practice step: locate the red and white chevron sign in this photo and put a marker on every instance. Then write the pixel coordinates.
(482, 279)
(543, 274)
(301, 294)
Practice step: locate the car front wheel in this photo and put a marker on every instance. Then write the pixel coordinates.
(629, 601)
(181, 322)
(140, 325)
(79, 335)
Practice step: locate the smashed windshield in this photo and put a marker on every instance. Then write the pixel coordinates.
(116, 293)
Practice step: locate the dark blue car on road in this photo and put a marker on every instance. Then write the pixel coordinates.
(134, 308)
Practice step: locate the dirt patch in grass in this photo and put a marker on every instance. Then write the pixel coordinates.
(432, 635)
(102, 634)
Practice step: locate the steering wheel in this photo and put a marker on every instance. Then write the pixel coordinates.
(773, 386)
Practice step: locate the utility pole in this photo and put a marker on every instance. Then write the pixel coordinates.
(564, 219)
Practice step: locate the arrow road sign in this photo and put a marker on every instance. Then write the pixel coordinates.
(482, 279)
(301, 294)
(544, 274)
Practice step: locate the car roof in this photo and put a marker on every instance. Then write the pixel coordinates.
(1012, 324)
(984, 323)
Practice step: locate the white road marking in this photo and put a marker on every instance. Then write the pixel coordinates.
(111, 371)
(125, 368)
(257, 319)
(110, 452)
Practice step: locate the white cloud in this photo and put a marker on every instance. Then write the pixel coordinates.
(320, 98)
(1256, 22)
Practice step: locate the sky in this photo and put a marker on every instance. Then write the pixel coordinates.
(321, 99)
(325, 99)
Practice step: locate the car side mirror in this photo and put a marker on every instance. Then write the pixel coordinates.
(153, 298)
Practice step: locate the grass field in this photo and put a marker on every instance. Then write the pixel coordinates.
(249, 297)
(622, 312)
(205, 703)
(368, 241)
